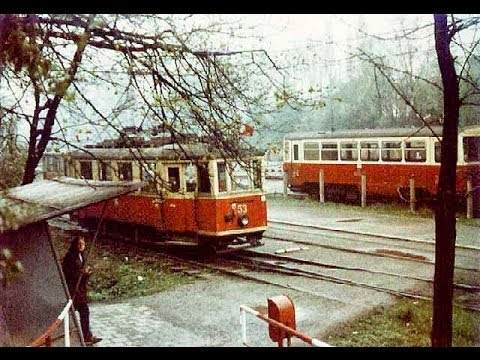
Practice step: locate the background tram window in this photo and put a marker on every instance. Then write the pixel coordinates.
(222, 177)
(471, 148)
(349, 151)
(391, 150)
(415, 151)
(438, 148)
(329, 151)
(174, 178)
(369, 151)
(86, 169)
(105, 171)
(125, 171)
(203, 179)
(311, 151)
(295, 151)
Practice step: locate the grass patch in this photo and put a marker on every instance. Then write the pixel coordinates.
(122, 272)
(372, 208)
(405, 323)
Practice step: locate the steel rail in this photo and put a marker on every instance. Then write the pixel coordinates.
(412, 240)
(460, 286)
(356, 251)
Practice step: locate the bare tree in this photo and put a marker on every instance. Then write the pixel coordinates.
(180, 82)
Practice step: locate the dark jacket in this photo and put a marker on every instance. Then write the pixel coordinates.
(72, 268)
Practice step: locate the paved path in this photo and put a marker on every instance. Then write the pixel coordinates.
(206, 313)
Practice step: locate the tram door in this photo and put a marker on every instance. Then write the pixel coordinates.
(174, 206)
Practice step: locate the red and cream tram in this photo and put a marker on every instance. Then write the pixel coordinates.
(192, 194)
(388, 158)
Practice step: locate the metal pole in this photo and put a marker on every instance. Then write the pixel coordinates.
(469, 199)
(64, 284)
(363, 188)
(285, 184)
(413, 200)
(321, 186)
(66, 330)
(243, 322)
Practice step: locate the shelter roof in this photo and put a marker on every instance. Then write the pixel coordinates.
(45, 199)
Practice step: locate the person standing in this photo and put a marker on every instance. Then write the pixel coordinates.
(77, 276)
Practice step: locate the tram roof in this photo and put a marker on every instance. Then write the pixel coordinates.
(367, 133)
(45, 199)
(165, 152)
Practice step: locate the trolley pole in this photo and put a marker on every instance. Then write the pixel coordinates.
(469, 199)
(321, 186)
(363, 189)
(413, 199)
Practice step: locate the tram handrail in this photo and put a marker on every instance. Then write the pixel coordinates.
(45, 338)
(243, 321)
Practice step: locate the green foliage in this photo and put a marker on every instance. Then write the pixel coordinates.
(12, 155)
(122, 271)
(10, 268)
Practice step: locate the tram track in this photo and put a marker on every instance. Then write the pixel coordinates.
(459, 286)
(363, 252)
(367, 234)
(250, 264)
(255, 265)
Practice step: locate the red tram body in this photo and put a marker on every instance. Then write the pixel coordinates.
(388, 158)
(192, 196)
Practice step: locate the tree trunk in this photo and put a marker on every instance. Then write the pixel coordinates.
(445, 232)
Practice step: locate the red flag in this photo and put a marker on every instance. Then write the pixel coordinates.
(246, 130)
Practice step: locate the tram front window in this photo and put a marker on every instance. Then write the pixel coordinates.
(222, 177)
(239, 177)
(203, 179)
(471, 148)
(174, 179)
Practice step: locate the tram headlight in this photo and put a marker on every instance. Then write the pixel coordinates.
(243, 220)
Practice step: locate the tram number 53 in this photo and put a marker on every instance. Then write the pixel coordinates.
(241, 209)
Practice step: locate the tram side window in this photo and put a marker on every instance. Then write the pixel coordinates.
(369, 151)
(391, 151)
(471, 148)
(295, 151)
(203, 179)
(438, 148)
(286, 150)
(105, 171)
(125, 171)
(222, 177)
(329, 151)
(147, 171)
(415, 151)
(86, 169)
(191, 178)
(349, 151)
(257, 174)
(311, 151)
(174, 178)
